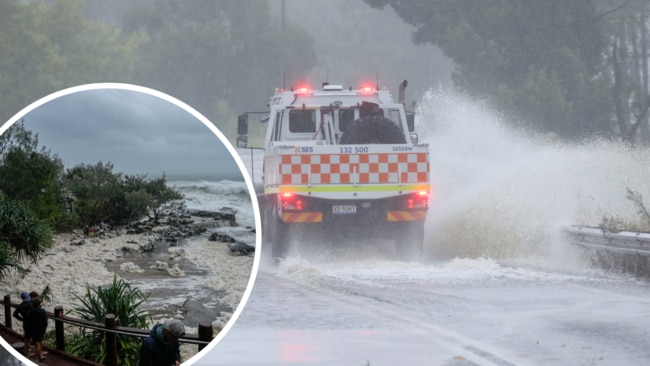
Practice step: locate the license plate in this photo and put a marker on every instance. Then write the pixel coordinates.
(344, 209)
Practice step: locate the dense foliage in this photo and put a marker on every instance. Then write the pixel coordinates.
(22, 236)
(539, 61)
(210, 54)
(574, 69)
(103, 195)
(48, 46)
(32, 177)
(27, 199)
(121, 300)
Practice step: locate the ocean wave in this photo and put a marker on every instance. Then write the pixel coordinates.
(212, 195)
(224, 187)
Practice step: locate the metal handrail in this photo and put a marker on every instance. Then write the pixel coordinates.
(120, 330)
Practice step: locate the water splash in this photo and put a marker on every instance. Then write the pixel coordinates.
(502, 193)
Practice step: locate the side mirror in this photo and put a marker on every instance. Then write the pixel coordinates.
(242, 141)
(410, 121)
(242, 124)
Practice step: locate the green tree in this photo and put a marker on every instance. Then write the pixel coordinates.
(121, 300)
(48, 46)
(161, 197)
(539, 61)
(22, 236)
(218, 55)
(95, 188)
(30, 175)
(104, 195)
(17, 136)
(150, 196)
(33, 177)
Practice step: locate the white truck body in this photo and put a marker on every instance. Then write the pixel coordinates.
(341, 161)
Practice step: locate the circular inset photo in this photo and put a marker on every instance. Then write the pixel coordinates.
(127, 229)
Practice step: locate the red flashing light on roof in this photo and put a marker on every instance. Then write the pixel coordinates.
(365, 89)
(304, 89)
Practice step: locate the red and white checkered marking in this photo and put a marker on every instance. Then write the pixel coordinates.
(354, 168)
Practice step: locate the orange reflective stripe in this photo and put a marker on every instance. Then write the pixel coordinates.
(302, 217)
(406, 215)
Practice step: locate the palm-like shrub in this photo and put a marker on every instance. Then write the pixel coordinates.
(121, 300)
(22, 236)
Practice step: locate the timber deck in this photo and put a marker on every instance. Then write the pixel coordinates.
(53, 358)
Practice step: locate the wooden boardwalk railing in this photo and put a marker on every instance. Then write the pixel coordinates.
(109, 327)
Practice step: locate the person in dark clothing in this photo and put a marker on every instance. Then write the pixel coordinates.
(21, 313)
(37, 320)
(161, 348)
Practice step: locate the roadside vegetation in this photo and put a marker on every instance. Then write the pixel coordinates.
(615, 223)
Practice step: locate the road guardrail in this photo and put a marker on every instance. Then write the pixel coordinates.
(624, 242)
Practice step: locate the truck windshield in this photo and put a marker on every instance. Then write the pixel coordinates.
(302, 120)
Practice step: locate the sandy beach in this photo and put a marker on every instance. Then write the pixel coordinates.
(75, 263)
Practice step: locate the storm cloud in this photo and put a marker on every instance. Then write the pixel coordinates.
(138, 132)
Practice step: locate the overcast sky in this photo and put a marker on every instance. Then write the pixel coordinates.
(139, 133)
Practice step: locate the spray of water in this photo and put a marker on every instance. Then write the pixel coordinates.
(501, 193)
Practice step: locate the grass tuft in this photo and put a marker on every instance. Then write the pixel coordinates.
(616, 224)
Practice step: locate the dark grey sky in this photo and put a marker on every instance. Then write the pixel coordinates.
(138, 132)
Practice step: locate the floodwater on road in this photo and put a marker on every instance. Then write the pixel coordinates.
(459, 312)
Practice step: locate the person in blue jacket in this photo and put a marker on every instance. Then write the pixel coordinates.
(161, 348)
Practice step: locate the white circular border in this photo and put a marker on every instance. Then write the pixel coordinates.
(222, 138)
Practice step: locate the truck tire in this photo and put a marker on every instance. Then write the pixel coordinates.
(373, 130)
(409, 242)
(280, 238)
(274, 232)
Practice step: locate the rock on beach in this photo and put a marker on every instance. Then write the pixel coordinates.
(75, 262)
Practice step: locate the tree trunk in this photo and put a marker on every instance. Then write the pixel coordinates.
(644, 127)
(617, 91)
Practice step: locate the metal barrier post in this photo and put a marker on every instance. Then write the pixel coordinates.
(58, 328)
(111, 341)
(7, 303)
(205, 333)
